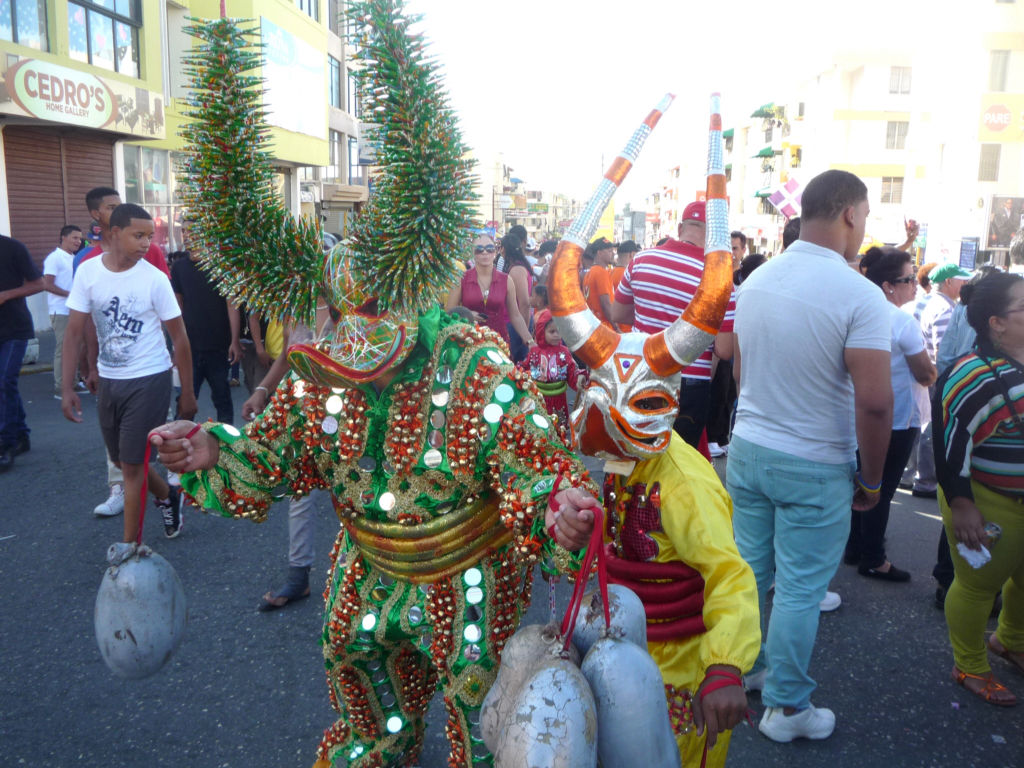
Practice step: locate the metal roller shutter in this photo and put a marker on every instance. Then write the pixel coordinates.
(49, 171)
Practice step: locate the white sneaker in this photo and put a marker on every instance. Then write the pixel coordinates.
(754, 681)
(810, 723)
(715, 450)
(831, 602)
(113, 505)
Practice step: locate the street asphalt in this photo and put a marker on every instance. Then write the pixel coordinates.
(248, 688)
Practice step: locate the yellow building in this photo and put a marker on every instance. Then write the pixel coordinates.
(93, 95)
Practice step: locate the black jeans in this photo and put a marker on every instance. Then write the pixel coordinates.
(212, 365)
(867, 529)
(694, 405)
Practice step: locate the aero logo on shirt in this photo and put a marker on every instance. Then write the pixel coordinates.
(119, 331)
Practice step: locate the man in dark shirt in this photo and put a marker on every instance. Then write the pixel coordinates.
(18, 278)
(212, 324)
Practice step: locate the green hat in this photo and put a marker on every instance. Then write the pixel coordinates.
(946, 271)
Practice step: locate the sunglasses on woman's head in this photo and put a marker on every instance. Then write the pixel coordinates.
(484, 249)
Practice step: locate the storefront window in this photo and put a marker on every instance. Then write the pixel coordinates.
(105, 33)
(151, 180)
(24, 22)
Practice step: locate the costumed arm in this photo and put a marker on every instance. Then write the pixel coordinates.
(696, 515)
(271, 458)
(521, 461)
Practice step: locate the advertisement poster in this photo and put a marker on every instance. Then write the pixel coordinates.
(49, 91)
(1004, 220)
(295, 81)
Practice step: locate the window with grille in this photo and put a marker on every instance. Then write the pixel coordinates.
(892, 189)
(105, 34)
(899, 80)
(896, 134)
(310, 7)
(24, 22)
(998, 67)
(988, 166)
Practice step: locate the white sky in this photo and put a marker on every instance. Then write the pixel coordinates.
(553, 84)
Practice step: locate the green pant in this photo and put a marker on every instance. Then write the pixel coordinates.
(970, 598)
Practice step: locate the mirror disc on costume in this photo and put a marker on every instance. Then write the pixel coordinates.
(493, 413)
(387, 501)
(439, 398)
(472, 577)
(472, 633)
(472, 652)
(415, 615)
(527, 405)
(474, 595)
(437, 419)
(333, 405)
(329, 425)
(504, 393)
(369, 622)
(444, 375)
(540, 421)
(435, 438)
(367, 464)
(432, 458)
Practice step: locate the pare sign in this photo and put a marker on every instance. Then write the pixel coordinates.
(52, 92)
(997, 117)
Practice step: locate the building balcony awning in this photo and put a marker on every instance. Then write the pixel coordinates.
(766, 152)
(345, 193)
(728, 133)
(763, 192)
(765, 110)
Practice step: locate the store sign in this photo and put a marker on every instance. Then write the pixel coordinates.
(48, 91)
(1002, 118)
(53, 92)
(537, 207)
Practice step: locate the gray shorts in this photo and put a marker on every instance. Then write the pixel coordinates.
(128, 409)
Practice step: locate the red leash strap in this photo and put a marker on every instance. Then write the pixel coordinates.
(145, 480)
(595, 550)
(724, 680)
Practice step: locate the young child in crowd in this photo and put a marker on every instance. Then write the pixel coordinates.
(553, 369)
(539, 298)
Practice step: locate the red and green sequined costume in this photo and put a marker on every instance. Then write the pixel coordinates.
(441, 483)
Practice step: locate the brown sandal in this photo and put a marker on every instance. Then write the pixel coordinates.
(991, 686)
(1003, 652)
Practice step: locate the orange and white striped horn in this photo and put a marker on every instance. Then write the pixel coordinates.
(582, 332)
(681, 343)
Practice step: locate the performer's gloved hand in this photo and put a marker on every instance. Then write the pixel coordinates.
(183, 448)
(569, 519)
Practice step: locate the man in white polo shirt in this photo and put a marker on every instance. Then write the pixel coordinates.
(57, 274)
(812, 355)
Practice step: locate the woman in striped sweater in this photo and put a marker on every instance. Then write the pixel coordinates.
(980, 468)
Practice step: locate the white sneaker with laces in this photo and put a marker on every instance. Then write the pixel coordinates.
(810, 723)
(831, 602)
(114, 505)
(715, 450)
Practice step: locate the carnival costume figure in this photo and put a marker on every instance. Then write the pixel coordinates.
(437, 451)
(668, 518)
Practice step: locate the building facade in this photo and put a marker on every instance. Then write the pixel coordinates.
(92, 94)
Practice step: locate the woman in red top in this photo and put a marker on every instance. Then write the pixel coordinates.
(488, 293)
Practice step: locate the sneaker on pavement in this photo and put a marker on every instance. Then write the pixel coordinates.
(715, 450)
(754, 681)
(810, 723)
(831, 602)
(114, 505)
(171, 511)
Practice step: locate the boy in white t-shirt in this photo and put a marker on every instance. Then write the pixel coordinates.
(128, 298)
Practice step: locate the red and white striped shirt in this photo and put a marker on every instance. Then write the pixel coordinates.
(660, 283)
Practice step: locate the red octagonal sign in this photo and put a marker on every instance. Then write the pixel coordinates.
(996, 117)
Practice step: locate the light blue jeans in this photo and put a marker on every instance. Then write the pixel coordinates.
(791, 518)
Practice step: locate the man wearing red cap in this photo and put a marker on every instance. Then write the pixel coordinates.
(657, 286)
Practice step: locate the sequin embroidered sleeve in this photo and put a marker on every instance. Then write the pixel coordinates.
(273, 457)
(523, 462)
